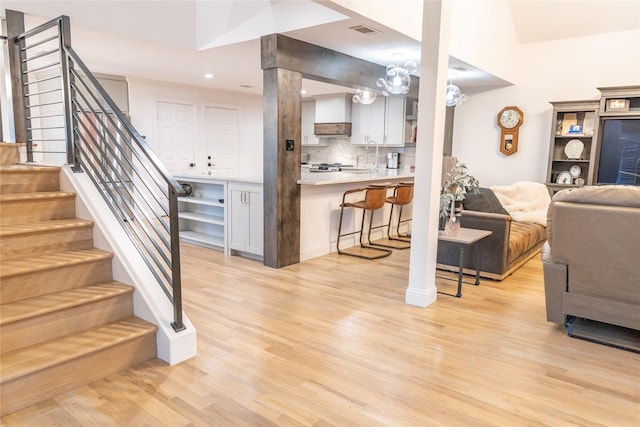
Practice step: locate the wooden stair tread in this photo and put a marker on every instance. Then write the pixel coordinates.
(20, 167)
(16, 267)
(36, 195)
(37, 306)
(26, 361)
(43, 226)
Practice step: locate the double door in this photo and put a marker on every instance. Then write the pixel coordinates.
(176, 139)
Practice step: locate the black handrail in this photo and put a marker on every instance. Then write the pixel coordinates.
(102, 142)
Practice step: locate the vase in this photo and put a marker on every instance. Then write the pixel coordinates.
(452, 226)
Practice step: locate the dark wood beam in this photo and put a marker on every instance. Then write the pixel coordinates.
(322, 64)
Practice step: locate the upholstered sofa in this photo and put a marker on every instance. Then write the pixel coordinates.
(511, 243)
(591, 260)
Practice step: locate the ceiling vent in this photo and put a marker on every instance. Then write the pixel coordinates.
(460, 68)
(363, 30)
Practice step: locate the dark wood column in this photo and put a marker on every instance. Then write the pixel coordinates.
(282, 121)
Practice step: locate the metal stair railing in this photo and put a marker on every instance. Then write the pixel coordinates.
(70, 118)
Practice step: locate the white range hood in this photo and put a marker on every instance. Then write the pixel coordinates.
(333, 115)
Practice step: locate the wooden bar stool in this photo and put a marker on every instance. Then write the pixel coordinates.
(402, 196)
(374, 198)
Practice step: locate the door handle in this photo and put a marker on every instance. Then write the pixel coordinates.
(191, 165)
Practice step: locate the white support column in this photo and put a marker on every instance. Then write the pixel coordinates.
(421, 290)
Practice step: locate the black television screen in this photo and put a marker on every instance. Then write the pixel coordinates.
(619, 161)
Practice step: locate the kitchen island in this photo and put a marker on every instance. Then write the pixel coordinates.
(321, 195)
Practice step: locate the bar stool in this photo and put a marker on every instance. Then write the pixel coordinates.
(402, 196)
(374, 198)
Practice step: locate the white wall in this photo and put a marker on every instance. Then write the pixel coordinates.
(143, 95)
(482, 34)
(563, 70)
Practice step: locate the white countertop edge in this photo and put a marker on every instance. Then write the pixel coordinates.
(217, 178)
(329, 178)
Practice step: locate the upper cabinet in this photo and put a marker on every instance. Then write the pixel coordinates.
(368, 125)
(410, 120)
(383, 122)
(308, 119)
(394, 121)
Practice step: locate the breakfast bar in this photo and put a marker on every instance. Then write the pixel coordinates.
(321, 195)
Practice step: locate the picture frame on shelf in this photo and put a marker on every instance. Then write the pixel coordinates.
(621, 105)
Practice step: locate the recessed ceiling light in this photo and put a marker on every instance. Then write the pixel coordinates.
(208, 76)
(302, 91)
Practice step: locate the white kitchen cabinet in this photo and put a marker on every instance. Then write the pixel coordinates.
(394, 121)
(368, 123)
(202, 215)
(246, 218)
(308, 119)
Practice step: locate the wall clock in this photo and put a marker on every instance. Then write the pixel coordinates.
(509, 119)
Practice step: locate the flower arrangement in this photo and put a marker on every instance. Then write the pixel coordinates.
(458, 184)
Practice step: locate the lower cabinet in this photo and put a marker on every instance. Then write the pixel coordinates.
(245, 223)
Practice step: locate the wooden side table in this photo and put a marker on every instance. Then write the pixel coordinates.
(467, 238)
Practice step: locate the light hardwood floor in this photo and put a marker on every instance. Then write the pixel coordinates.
(331, 342)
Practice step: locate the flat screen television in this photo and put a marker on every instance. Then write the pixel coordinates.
(619, 161)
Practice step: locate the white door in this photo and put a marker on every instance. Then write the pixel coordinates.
(221, 139)
(175, 146)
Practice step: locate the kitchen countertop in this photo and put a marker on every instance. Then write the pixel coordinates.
(328, 178)
(217, 177)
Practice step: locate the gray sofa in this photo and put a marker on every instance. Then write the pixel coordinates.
(510, 244)
(591, 260)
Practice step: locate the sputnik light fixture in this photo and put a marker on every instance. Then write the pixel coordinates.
(397, 78)
(454, 96)
(364, 96)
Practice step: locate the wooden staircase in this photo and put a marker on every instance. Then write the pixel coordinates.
(64, 322)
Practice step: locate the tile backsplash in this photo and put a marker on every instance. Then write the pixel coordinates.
(340, 150)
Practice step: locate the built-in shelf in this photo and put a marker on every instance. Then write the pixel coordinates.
(202, 215)
(572, 120)
(202, 238)
(209, 219)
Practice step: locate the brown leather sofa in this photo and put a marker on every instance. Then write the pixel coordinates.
(510, 244)
(591, 260)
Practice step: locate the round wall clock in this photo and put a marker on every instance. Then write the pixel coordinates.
(509, 119)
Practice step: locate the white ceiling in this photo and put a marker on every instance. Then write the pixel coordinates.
(181, 40)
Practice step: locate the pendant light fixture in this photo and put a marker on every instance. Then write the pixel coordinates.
(364, 96)
(454, 96)
(397, 78)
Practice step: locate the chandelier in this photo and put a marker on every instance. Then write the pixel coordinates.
(397, 79)
(364, 96)
(454, 96)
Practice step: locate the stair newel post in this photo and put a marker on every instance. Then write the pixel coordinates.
(64, 28)
(177, 324)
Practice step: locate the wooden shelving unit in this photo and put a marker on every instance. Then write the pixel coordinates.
(572, 121)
